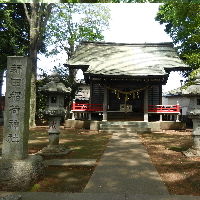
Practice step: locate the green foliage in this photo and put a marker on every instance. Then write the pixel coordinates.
(102, 1)
(35, 188)
(29, 1)
(71, 23)
(14, 32)
(68, 81)
(182, 23)
(155, 1)
(40, 98)
(14, 28)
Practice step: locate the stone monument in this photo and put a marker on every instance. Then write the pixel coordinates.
(18, 170)
(55, 92)
(193, 92)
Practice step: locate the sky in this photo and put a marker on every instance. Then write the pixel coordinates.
(130, 23)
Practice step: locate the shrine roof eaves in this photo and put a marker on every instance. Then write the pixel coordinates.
(126, 59)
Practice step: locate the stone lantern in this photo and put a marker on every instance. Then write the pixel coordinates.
(56, 93)
(193, 92)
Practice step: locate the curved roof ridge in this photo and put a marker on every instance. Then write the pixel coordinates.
(97, 43)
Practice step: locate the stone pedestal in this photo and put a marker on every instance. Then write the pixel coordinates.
(54, 148)
(20, 175)
(193, 92)
(195, 149)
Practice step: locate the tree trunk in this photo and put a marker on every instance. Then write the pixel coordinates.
(37, 19)
(33, 48)
(33, 59)
(1, 98)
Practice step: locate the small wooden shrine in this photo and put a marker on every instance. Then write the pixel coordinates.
(125, 79)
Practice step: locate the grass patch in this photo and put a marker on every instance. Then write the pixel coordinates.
(83, 145)
(178, 149)
(35, 188)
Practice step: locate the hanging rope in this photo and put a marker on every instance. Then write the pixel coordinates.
(126, 93)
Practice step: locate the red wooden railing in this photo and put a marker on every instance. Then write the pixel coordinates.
(87, 107)
(164, 109)
(152, 108)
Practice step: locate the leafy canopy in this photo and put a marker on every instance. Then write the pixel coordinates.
(71, 23)
(14, 32)
(102, 1)
(182, 23)
(14, 29)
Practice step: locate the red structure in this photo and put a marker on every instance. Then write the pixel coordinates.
(87, 107)
(167, 109)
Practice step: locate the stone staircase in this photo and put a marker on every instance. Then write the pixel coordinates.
(129, 116)
(124, 126)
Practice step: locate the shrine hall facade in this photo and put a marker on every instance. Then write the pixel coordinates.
(125, 80)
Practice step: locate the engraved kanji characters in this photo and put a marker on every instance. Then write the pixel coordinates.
(16, 69)
(16, 81)
(12, 138)
(13, 124)
(15, 96)
(14, 109)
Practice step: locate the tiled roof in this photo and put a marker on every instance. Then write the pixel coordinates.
(114, 59)
(174, 92)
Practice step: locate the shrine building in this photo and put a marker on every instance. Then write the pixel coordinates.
(125, 80)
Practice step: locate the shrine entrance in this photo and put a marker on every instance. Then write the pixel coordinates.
(122, 102)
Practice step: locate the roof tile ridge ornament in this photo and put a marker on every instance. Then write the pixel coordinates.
(55, 85)
(55, 77)
(147, 44)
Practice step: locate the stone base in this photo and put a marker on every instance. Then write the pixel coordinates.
(53, 151)
(171, 125)
(70, 162)
(12, 197)
(191, 153)
(20, 175)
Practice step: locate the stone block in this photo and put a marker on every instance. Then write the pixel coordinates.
(86, 124)
(196, 126)
(71, 123)
(171, 125)
(12, 197)
(17, 108)
(79, 124)
(20, 175)
(95, 125)
(70, 162)
(155, 126)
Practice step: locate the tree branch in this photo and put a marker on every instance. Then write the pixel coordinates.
(27, 15)
(43, 18)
